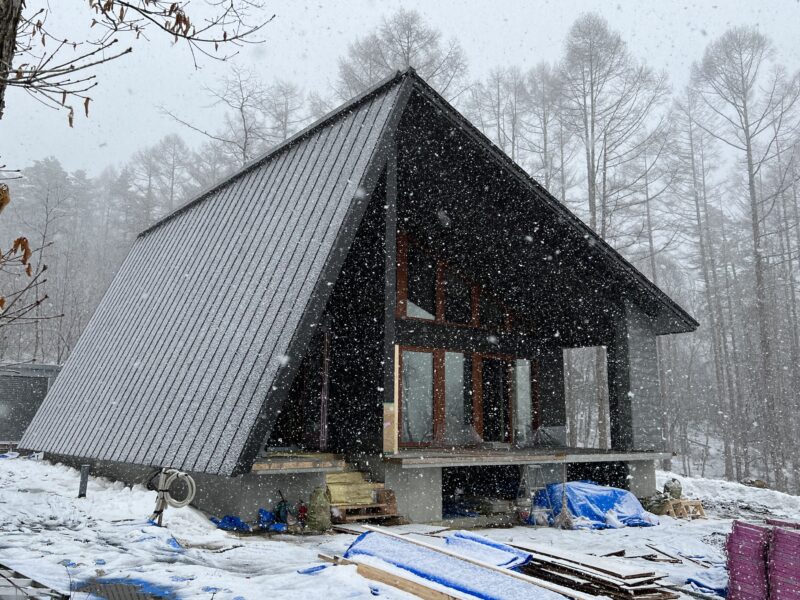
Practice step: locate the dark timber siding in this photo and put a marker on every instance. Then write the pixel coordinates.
(176, 363)
(356, 310)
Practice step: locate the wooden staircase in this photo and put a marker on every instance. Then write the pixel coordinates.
(354, 498)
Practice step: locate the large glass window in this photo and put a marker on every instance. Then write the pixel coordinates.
(457, 430)
(523, 413)
(421, 300)
(457, 299)
(417, 397)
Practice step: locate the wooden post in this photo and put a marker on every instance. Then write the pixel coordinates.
(390, 424)
(85, 470)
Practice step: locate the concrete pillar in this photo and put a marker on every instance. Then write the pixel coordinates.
(642, 478)
(418, 491)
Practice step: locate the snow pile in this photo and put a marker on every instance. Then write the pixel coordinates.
(717, 492)
(47, 532)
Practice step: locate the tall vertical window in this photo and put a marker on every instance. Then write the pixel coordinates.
(417, 397)
(457, 429)
(523, 409)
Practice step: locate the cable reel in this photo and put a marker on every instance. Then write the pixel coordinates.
(166, 479)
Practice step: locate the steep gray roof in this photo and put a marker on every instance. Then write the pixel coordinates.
(174, 366)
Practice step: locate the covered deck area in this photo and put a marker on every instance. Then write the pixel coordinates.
(469, 457)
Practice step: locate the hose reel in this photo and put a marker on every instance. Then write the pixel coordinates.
(166, 478)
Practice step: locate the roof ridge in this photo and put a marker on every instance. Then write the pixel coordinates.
(310, 129)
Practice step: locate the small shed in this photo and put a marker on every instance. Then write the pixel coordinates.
(22, 390)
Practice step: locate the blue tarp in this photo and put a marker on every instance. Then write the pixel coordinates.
(231, 523)
(453, 573)
(595, 506)
(486, 550)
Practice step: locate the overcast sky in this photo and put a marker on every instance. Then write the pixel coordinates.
(306, 38)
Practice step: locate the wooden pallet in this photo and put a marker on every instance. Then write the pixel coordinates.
(348, 513)
(685, 509)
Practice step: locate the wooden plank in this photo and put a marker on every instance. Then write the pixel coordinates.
(394, 580)
(597, 563)
(569, 593)
(605, 578)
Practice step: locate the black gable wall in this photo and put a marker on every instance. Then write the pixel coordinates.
(355, 314)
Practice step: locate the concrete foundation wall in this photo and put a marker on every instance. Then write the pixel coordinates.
(218, 496)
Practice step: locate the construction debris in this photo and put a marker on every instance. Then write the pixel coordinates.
(449, 573)
(747, 562)
(764, 561)
(784, 564)
(14, 584)
(595, 575)
(685, 509)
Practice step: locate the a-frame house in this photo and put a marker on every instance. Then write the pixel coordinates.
(386, 286)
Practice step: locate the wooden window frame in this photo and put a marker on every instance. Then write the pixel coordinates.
(437, 396)
(404, 242)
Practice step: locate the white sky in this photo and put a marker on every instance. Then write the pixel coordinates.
(306, 38)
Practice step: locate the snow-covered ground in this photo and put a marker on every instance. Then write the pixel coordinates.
(47, 532)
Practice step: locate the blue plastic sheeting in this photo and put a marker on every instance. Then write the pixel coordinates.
(231, 523)
(450, 572)
(486, 550)
(595, 506)
(265, 518)
(711, 581)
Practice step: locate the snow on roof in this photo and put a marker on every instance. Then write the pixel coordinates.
(175, 364)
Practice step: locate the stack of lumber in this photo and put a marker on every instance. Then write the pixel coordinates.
(747, 547)
(783, 567)
(434, 571)
(353, 498)
(595, 575)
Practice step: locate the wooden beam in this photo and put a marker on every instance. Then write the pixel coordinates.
(394, 580)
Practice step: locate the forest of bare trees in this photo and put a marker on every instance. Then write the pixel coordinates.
(697, 186)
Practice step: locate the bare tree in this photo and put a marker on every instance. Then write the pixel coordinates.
(402, 40)
(55, 68)
(257, 116)
(751, 102)
(609, 98)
